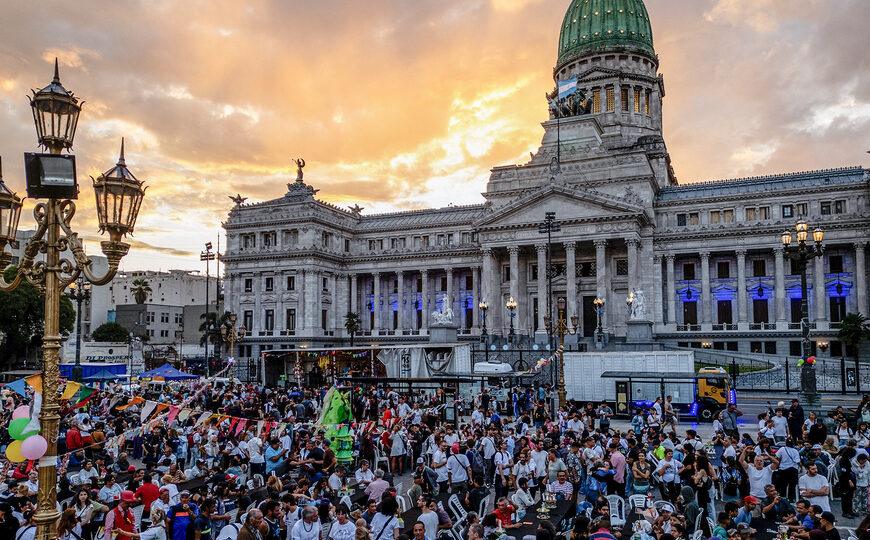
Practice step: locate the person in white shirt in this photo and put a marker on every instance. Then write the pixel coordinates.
(343, 528)
(815, 488)
(502, 462)
(522, 499)
(309, 527)
(575, 425)
(477, 417)
(458, 471)
(758, 473)
(255, 456)
(364, 475)
(32, 483)
(780, 426)
(88, 472)
(336, 479)
(110, 492)
(450, 437)
(789, 469)
(439, 464)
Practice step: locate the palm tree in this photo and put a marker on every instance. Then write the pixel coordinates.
(352, 323)
(141, 288)
(854, 328)
(211, 321)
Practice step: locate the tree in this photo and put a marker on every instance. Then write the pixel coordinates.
(110, 332)
(214, 323)
(352, 323)
(854, 329)
(22, 318)
(141, 288)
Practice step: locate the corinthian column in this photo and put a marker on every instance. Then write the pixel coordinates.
(542, 285)
(571, 277)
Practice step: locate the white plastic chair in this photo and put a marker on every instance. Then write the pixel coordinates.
(617, 510)
(380, 457)
(402, 503)
(697, 535)
(638, 500)
(711, 523)
(345, 500)
(658, 504)
(482, 510)
(456, 507)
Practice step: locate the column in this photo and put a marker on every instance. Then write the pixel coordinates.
(542, 286)
(514, 252)
(672, 289)
(631, 244)
(601, 278)
(449, 291)
(354, 300)
(741, 286)
(819, 288)
(302, 308)
(706, 296)
(658, 310)
(424, 305)
(317, 293)
(400, 302)
(860, 277)
(571, 277)
(376, 303)
(487, 292)
(475, 296)
(779, 284)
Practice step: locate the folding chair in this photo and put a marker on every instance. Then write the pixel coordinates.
(617, 510)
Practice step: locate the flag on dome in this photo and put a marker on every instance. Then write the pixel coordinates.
(566, 87)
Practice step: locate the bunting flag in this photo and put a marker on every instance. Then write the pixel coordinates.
(18, 387)
(173, 413)
(281, 427)
(160, 408)
(232, 424)
(114, 401)
(35, 381)
(147, 409)
(35, 409)
(268, 428)
(203, 417)
(241, 425)
(260, 425)
(135, 401)
(71, 389)
(182, 416)
(85, 393)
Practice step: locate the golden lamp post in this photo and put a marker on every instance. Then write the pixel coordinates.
(230, 334)
(561, 330)
(51, 177)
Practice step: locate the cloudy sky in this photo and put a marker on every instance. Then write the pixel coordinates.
(398, 104)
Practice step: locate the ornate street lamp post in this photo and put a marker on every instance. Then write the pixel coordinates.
(80, 291)
(511, 304)
(118, 196)
(599, 315)
(483, 308)
(548, 227)
(230, 334)
(801, 253)
(207, 255)
(561, 329)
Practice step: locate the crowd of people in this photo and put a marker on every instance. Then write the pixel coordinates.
(484, 476)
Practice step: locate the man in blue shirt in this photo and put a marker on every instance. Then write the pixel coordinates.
(274, 455)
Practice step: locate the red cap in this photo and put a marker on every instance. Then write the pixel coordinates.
(128, 496)
(749, 499)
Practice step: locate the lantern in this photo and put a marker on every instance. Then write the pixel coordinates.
(119, 195)
(10, 211)
(56, 115)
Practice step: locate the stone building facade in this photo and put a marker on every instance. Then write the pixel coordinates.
(707, 256)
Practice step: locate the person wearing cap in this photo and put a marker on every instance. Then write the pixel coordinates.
(748, 510)
(121, 517)
(827, 521)
(162, 502)
(458, 470)
(814, 487)
(180, 516)
(663, 522)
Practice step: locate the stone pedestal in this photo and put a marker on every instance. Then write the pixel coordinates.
(637, 331)
(442, 334)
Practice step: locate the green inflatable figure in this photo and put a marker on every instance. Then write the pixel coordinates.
(336, 417)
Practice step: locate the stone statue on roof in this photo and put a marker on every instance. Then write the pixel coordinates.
(300, 164)
(238, 199)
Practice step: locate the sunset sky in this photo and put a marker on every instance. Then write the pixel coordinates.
(399, 104)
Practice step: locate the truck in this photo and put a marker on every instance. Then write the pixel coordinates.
(631, 380)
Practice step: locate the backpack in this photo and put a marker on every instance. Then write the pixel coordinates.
(477, 465)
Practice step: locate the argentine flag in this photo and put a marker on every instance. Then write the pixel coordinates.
(566, 87)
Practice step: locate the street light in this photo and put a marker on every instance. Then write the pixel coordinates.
(599, 315)
(483, 307)
(511, 304)
(80, 291)
(118, 195)
(561, 329)
(207, 255)
(801, 253)
(548, 227)
(231, 335)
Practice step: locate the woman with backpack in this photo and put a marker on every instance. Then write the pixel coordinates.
(730, 478)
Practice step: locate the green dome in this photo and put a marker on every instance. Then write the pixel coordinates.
(595, 24)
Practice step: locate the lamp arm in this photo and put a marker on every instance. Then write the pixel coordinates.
(113, 250)
(27, 268)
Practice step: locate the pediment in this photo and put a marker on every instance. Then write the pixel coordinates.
(570, 203)
(597, 71)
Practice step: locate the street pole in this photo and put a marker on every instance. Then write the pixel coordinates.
(562, 329)
(79, 292)
(549, 226)
(207, 255)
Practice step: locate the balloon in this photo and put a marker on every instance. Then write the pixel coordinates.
(21, 412)
(34, 447)
(13, 452)
(17, 427)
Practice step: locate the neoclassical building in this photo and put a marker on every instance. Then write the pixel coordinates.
(707, 256)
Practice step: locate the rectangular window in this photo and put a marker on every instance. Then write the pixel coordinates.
(795, 305)
(750, 214)
(724, 311)
(249, 285)
(728, 216)
(291, 319)
(836, 348)
(269, 284)
(623, 97)
(759, 311)
(681, 220)
(586, 269)
(689, 271)
(755, 347)
(469, 282)
(839, 207)
(506, 273)
(596, 101)
(835, 264)
(715, 215)
(693, 218)
(372, 245)
(291, 283)
(443, 284)
(269, 320)
(346, 245)
(248, 319)
(621, 267)
(723, 269)
(533, 274)
(759, 268)
(611, 105)
(394, 243)
(324, 239)
(637, 100)
(466, 238)
(801, 209)
(690, 313)
(769, 347)
(325, 283)
(646, 103)
(794, 348)
(793, 268)
(764, 212)
(825, 208)
(838, 308)
(323, 315)
(787, 211)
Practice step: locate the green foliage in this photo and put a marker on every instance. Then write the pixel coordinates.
(854, 329)
(110, 332)
(211, 319)
(140, 290)
(22, 318)
(352, 323)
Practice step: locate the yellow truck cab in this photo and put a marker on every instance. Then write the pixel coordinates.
(713, 394)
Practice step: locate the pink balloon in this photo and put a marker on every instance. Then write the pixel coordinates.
(21, 412)
(34, 447)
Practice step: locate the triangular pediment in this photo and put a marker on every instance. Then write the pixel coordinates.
(571, 203)
(597, 71)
